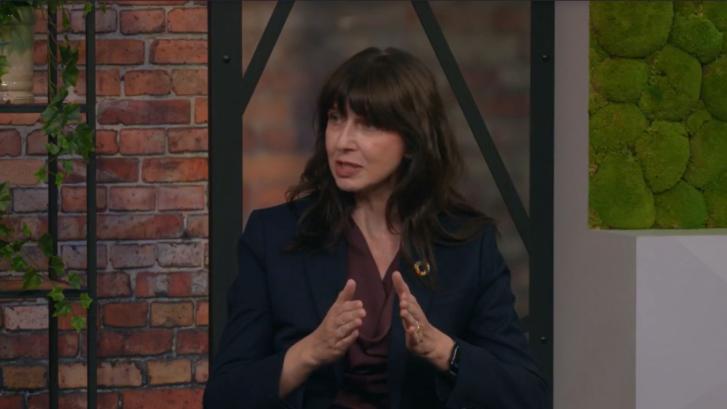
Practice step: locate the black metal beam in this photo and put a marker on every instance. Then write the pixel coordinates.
(474, 119)
(91, 256)
(264, 49)
(541, 184)
(52, 208)
(225, 157)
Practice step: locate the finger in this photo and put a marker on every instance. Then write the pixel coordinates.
(399, 284)
(341, 343)
(350, 316)
(348, 290)
(351, 305)
(346, 328)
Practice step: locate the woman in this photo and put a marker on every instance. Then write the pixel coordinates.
(375, 285)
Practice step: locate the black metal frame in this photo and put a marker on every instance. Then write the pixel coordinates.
(89, 109)
(225, 128)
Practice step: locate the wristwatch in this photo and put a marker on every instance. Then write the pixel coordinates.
(454, 361)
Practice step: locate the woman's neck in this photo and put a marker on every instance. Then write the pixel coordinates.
(370, 214)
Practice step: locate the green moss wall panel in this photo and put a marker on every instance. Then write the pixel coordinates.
(658, 114)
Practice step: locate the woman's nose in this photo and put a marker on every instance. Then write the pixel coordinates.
(347, 136)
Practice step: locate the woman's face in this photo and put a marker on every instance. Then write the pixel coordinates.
(362, 158)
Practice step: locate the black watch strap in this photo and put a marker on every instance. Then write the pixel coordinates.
(454, 358)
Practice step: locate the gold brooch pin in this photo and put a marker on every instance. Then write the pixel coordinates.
(421, 268)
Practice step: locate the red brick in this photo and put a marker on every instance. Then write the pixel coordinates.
(72, 227)
(182, 198)
(74, 256)
(9, 142)
(64, 322)
(193, 341)
(132, 198)
(179, 254)
(24, 377)
(125, 314)
(19, 119)
(201, 371)
(72, 376)
(200, 110)
(139, 227)
(133, 255)
(35, 143)
(174, 169)
(108, 82)
(202, 315)
(145, 2)
(189, 82)
(35, 345)
(108, 52)
(197, 226)
(37, 225)
(106, 400)
(147, 82)
(40, 83)
(142, 141)
(144, 112)
(11, 402)
(169, 372)
(265, 196)
(163, 399)
(142, 21)
(178, 51)
(20, 171)
(132, 343)
(113, 285)
(26, 317)
(119, 374)
(187, 140)
(105, 21)
(33, 255)
(30, 200)
(187, 20)
(172, 314)
(180, 284)
(116, 52)
(73, 198)
(108, 170)
(106, 142)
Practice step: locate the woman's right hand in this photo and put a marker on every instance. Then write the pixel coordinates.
(339, 329)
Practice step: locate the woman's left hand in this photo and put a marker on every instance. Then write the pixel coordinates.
(422, 338)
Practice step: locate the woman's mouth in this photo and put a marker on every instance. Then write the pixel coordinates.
(346, 169)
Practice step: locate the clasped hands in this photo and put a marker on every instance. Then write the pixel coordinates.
(340, 328)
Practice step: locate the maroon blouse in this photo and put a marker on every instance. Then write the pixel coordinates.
(365, 375)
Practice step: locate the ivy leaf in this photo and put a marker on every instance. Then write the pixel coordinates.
(87, 8)
(4, 196)
(46, 244)
(4, 232)
(42, 174)
(62, 308)
(18, 263)
(53, 148)
(56, 294)
(31, 280)
(85, 300)
(75, 280)
(26, 230)
(78, 322)
(56, 265)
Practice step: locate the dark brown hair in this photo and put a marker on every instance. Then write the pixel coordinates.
(391, 90)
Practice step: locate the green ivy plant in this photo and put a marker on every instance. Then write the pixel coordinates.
(68, 136)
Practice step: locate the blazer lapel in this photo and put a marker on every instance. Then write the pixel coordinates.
(398, 353)
(325, 271)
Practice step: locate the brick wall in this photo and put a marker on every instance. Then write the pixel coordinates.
(152, 216)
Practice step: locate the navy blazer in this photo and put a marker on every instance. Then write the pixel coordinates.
(280, 297)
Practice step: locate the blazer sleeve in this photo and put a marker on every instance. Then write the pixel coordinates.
(496, 369)
(246, 370)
